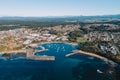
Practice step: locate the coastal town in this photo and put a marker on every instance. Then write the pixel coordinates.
(103, 40)
(59, 39)
(18, 38)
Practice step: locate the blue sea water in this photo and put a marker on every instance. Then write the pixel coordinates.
(76, 67)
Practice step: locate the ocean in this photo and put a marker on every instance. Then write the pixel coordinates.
(76, 67)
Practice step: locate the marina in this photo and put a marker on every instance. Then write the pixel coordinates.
(56, 58)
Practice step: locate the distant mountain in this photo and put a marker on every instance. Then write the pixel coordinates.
(61, 18)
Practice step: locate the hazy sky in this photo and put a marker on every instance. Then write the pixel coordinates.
(58, 7)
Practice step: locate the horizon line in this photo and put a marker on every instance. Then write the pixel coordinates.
(61, 15)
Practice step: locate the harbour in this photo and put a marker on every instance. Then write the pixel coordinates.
(39, 65)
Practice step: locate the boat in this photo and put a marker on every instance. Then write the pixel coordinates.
(99, 71)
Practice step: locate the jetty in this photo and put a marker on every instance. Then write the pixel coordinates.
(44, 57)
(72, 53)
(93, 55)
(31, 51)
(42, 49)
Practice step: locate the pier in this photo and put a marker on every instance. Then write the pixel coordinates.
(72, 53)
(44, 57)
(31, 51)
(93, 55)
(42, 49)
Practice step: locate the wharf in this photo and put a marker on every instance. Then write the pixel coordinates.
(31, 51)
(46, 58)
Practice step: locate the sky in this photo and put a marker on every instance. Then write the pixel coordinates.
(58, 7)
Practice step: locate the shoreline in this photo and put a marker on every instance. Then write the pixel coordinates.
(74, 52)
(112, 63)
(70, 43)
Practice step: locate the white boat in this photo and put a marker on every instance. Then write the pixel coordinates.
(99, 71)
(44, 55)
